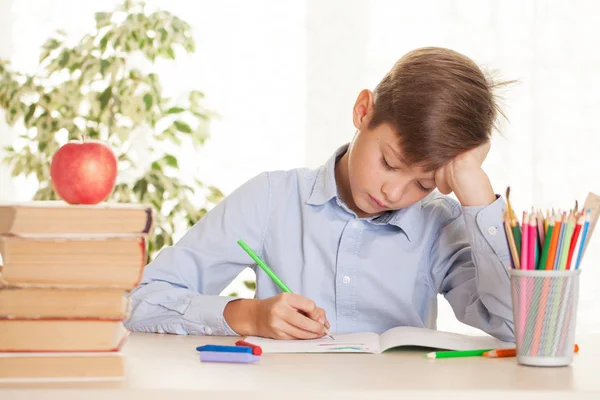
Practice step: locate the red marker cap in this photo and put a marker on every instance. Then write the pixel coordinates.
(256, 350)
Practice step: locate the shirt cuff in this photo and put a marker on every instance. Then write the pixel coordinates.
(485, 227)
(204, 316)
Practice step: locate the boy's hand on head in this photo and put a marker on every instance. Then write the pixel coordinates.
(285, 316)
(465, 177)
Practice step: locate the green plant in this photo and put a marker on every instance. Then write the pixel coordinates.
(91, 90)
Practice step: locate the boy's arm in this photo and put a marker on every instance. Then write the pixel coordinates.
(179, 291)
(470, 260)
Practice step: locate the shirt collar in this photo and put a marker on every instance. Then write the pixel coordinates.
(406, 219)
(325, 189)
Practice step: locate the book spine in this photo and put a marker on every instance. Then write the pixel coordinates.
(149, 220)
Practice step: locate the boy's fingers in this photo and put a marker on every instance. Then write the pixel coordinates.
(282, 335)
(308, 310)
(300, 321)
(297, 333)
(441, 182)
(317, 315)
(301, 303)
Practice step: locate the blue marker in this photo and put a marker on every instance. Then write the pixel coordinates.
(228, 357)
(224, 349)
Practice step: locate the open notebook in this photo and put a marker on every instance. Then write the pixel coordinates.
(370, 342)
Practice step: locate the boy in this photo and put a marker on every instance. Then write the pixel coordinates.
(363, 241)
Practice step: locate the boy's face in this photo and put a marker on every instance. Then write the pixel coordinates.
(378, 178)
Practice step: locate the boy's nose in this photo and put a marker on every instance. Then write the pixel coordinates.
(393, 192)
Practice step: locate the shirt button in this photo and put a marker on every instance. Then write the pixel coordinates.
(208, 331)
(346, 280)
(355, 224)
(492, 230)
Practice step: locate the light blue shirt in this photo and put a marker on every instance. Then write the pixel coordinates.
(368, 274)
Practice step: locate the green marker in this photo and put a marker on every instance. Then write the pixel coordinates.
(269, 272)
(454, 354)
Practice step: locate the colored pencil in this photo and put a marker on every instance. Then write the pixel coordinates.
(516, 230)
(553, 244)
(532, 238)
(455, 354)
(584, 234)
(564, 253)
(575, 241)
(514, 254)
(525, 243)
(546, 246)
(540, 229)
(514, 223)
(561, 239)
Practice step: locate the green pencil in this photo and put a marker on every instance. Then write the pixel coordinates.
(546, 248)
(269, 272)
(564, 254)
(454, 354)
(517, 235)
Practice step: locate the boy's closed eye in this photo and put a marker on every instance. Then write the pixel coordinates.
(387, 166)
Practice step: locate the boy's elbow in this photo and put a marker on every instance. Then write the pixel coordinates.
(500, 328)
(137, 320)
(505, 332)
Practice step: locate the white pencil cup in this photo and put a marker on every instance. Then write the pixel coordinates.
(545, 315)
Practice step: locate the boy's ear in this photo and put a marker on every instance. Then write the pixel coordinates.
(363, 109)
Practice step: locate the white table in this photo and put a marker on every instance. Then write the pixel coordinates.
(167, 367)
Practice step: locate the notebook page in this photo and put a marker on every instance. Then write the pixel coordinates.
(413, 336)
(343, 343)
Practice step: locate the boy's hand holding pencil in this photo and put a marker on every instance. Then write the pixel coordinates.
(285, 316)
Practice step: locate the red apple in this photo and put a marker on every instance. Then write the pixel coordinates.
(84, 172)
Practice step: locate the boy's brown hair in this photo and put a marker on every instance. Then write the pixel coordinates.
(439, 102)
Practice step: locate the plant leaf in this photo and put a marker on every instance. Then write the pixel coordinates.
(104, 97)
(29, 114)
(102, 19)
(159, 242)
(104, 41)
(156, 166)
(64, 58)
(148, 99)
(171, 161)
(175, 110)
(250, 285)
(182, 127)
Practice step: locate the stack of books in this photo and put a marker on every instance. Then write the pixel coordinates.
(65, 272)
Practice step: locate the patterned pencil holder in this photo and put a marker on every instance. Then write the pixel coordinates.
(545, 315)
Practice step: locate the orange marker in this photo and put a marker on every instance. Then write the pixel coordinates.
(510, 352)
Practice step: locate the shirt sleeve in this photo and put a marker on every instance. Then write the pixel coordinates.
(470, 268)
(179, 290)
